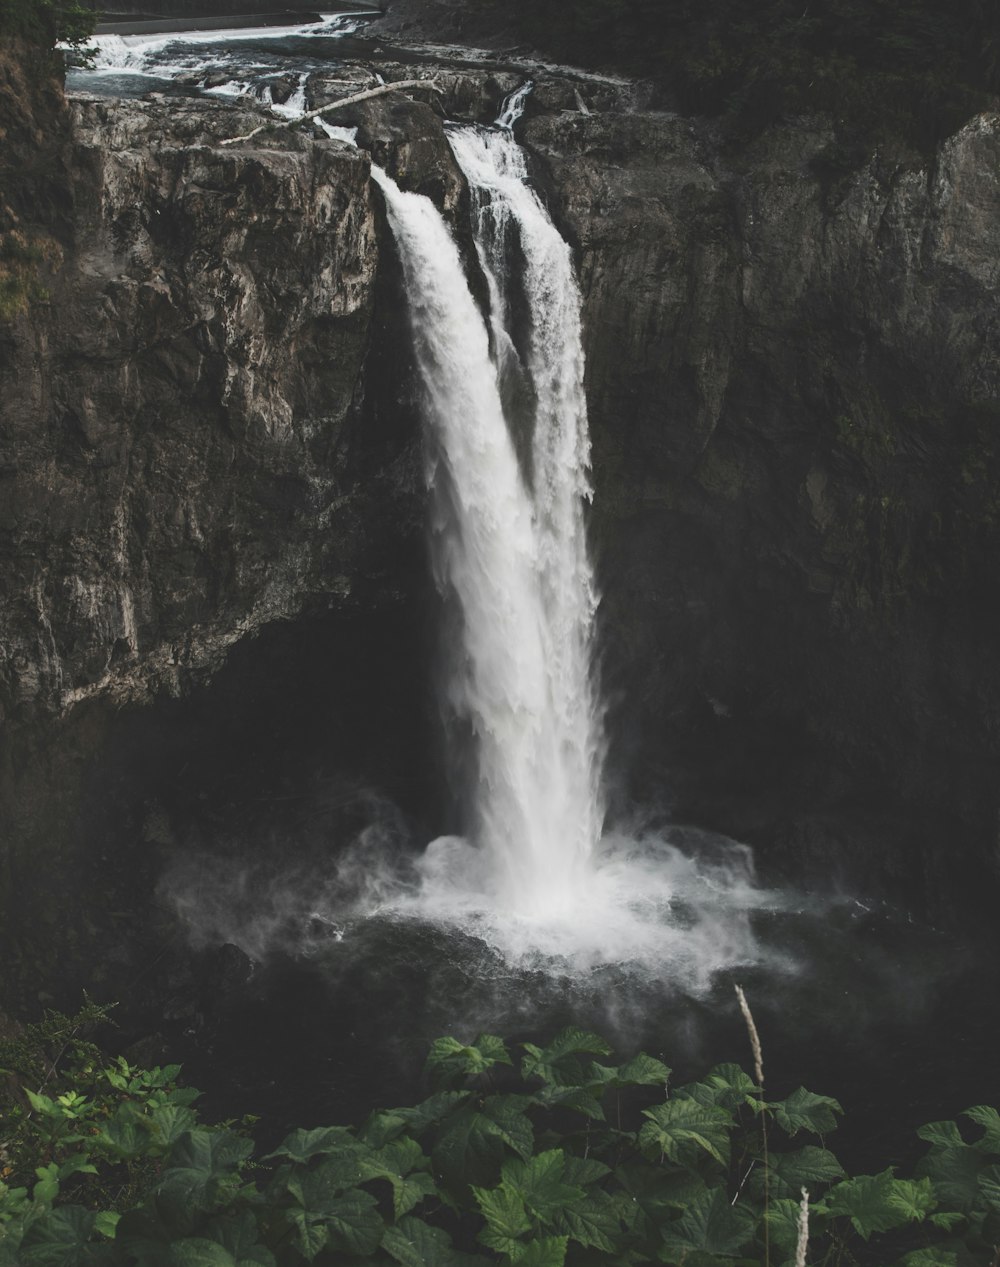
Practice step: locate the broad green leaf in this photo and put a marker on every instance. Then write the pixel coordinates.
(79, 1164)
(989, 1119)
(58, 1238)
(449, 1059)
(431, 1110)
(353, 1223)
(947, 1220)
(322, 1190)
(46, 1189)
(382, 1127)
(316, 1187)
(989, 1186)
(472, 1143)
(409, 1192)
(726, 1085)
(197, 1251)
(506, 1219)
(709, 1225)
(412, 1243)
(677, 1125)
(580, 1099)
(403, 1164)
(954, 1172)
(660, 1192)
(593, 1221)
(309, 1232)
(583, 1170)
(914, 1198)
(806, 1167)
(540, 1185)
(803, 1110)
(559, 1062)
(238, 1232)
(944, 1133)
(879, 1203)
(200, 1161)
(41, 1103)
(783, 1223)
(169, 1123)
(301, 1145)
(543, 1251)
(643, 1071)
(106, 1221)
(258, 1256)
(125, 1133)
(398, 1157)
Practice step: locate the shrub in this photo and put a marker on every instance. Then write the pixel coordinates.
(561, 1158)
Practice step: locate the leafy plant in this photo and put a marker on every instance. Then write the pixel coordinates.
(539, 1157)
(48, 22)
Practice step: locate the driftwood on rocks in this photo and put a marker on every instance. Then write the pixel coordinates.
(402, 86)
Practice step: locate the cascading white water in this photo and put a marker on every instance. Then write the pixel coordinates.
(540, 764)
(533, 877)
(521, 678)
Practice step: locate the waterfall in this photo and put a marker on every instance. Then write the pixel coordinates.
(512, 553)
(535, 880)
(533, 875)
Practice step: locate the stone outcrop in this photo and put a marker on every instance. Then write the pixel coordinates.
(174, 418)
(192, 447)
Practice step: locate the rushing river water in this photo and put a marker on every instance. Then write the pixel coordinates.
(536, 913)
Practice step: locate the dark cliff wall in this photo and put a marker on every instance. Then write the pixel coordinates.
(795, 394)
(211, 531)
(199, 443)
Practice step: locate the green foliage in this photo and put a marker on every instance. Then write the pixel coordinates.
(24, 257)
(881, 67)
(48, 22)
(106, 1164)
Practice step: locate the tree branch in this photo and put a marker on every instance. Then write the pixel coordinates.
(402, 85)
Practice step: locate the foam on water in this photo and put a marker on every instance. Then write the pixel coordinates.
(170, 54)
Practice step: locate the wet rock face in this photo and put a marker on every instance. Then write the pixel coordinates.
(192, 451)
(175, 421)
(794, 380)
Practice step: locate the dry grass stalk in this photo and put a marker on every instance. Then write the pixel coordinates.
(758, 1069)
(758, 1052)
(803, 1242)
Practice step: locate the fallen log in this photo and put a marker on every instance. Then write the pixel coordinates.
(402, 86)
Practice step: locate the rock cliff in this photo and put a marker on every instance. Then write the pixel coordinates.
(211, 533)
(793, 376)
(193, 448)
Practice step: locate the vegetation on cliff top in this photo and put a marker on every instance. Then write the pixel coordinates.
(558, 1159)
(915, 68)
(47, 22)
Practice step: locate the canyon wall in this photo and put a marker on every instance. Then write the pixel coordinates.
(212, 533)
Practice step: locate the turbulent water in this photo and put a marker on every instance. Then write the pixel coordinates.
(242, 61)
